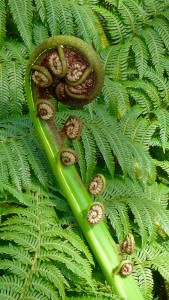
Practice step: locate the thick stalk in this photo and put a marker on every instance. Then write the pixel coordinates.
(98, 237)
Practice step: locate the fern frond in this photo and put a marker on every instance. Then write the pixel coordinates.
(136, 8)
(143, 275)
(146, 87)
(113, 26)
(52, 17)
(141, 55)
(4, 93)
(154, 7)
(155, 46)
(115, 61)
(116, 97)
(40, 33)
(90, 154)
(19, 149)
(118, 216)
(40, 4)
(161, 26)
(163, 123)
(91, 22)
(2, 22)
(65, 20)
(81, 158)
(28, 233)
(160, 82)
(23, 21)
(13, 50)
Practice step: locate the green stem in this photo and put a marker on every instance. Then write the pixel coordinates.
(98, 237)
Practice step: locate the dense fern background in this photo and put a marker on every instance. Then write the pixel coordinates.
(125, 135)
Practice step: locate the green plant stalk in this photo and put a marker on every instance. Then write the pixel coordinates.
(98, 237)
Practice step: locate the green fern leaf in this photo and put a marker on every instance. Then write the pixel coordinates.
(90, 154)
(52, 16)
(163, 123)
(141, 55)
(161, 26)
(144, 277)
(154, 7)
(146, 87)
(136, 8)
(114, 25)
(40, 4)
(141, 99)
(115, 61)
(160, 82)
(83, 30)
(24, 20)
(4, 92)
(2, 22)
(13, 50)
(65, 17)
(77, 145)
(156, 49)
(115, 96)
(40, 33)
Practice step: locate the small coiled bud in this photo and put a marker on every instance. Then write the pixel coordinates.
(97, 185)
(68, 157)
(45, 110)
(95, 213)
(125, 268)
(41, 76)
(128, 244)
(73, 128)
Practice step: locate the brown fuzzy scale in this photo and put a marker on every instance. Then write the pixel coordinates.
(126, 268)
(45, 111)
(68, 157)
(73, 128)
(96, 185)
(95, 213)
(128, 244)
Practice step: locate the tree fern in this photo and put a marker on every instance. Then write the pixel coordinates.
(141, 55)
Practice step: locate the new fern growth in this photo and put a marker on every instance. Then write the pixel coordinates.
(78, 66)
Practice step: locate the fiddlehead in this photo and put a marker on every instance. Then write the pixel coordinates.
(125, 268)
(97, 185)
(77, 79)
(45, 110)
(95, 213)
(68, 69)
(68, 157)
(73, 128)
(128, 244)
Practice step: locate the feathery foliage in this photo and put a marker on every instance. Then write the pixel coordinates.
(125, 136)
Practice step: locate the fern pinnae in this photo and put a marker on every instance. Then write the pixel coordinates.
(24, 21)
(80, 19)
(161, 26)
(40, 4)
(160, 82)
(65, 19)
(53, 274)
(163, 123)
(40, 33)
(155, 46)
(16, 94)
(4, 93)
(15, 51)
(104, 147)
(114, 25)
(2, 22)
(52, 16)
(90, 154)
(137, 8)
(141, 55)
(127, 17)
